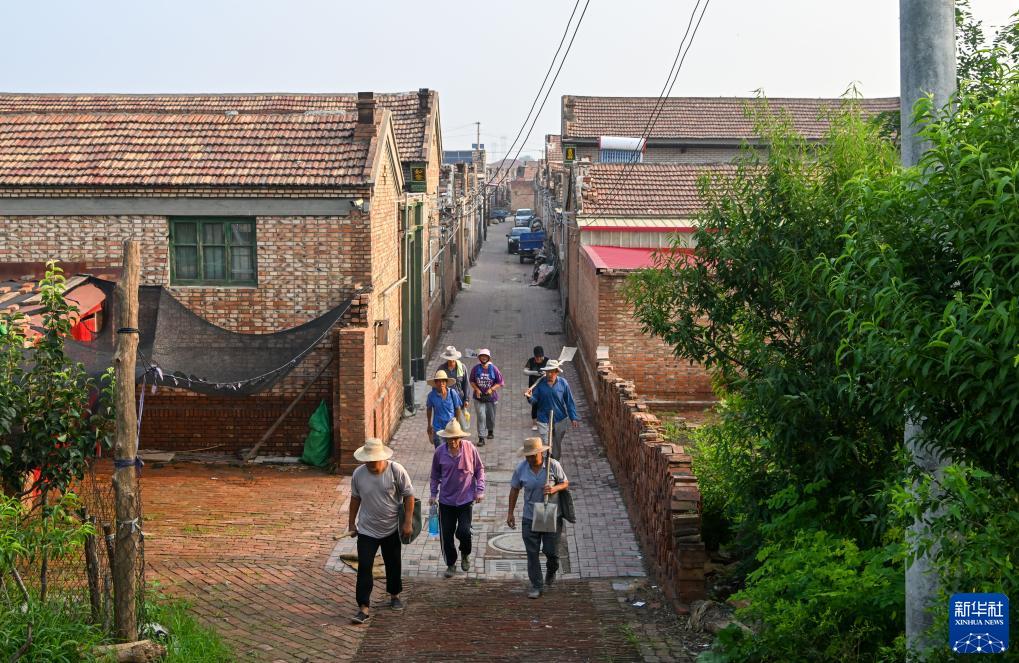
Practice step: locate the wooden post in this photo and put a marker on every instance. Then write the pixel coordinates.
(127, 534)
(93, 572)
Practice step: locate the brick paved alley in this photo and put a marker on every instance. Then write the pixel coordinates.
(258, 549)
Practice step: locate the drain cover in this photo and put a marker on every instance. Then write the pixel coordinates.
(509, 543)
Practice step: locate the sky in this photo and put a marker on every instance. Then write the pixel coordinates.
(486, 59)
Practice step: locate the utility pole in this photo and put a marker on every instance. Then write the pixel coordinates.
(927, 67)
(127, 536)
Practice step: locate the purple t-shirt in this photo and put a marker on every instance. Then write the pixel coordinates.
(484, 377)
(459, 479)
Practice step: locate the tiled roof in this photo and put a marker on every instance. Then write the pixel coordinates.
(695, 117)
(409, 124)
(644, 189)
(626, 258)
(181, 150)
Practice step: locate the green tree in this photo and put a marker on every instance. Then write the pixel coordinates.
(749, 305)
(51, 416)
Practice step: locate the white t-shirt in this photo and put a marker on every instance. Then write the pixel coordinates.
(379, 514)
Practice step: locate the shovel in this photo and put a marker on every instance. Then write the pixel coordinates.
(567, 354)
(546, 514)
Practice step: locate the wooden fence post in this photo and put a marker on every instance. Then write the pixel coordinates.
(127, 534)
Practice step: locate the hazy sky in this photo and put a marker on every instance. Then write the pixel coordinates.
(486, 59)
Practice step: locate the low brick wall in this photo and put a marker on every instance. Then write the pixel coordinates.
(658, 485)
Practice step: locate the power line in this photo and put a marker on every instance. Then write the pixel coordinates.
(659, 106)
(551, 65)
(551, 85)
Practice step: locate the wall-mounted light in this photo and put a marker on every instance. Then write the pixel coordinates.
(359, 204)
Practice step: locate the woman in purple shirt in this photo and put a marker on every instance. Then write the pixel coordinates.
(458, 481)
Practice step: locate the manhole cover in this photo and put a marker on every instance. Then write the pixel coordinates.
(510, 542)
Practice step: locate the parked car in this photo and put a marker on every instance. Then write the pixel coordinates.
(500, 214)
(513, 238)
(529, 244)
(523, 217)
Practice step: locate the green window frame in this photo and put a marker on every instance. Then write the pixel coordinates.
(213, 251)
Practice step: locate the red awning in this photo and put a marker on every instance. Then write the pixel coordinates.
(626, 258)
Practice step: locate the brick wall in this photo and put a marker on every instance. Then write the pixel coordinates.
(306, 265)
(658, 485)
(522, 195)
(600, 316)
(646, 360)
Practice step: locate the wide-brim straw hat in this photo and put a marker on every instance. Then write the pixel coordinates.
(373, 449)
(453, 430)
(533, 446)
(486, 352)
(552, 365)
(441, 375)
(451, 353)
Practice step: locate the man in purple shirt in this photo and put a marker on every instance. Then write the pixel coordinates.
(486, 381)
(458, 481)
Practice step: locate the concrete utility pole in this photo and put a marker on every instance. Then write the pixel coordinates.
(927, 67)
(127, 535)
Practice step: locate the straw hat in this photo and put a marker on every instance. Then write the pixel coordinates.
(453, 430)
(441, 375)
(451, 353)
(486, 352)
(552, 365)
(373, 449)
(532, 447)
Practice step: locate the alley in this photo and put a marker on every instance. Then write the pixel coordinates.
(258, 550)
(501, 312)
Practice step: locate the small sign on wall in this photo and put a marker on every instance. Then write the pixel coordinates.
(418, 178)
(569, 154)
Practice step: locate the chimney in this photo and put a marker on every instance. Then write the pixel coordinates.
(424, 96)
(365, 115)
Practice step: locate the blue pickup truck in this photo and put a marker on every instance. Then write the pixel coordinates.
(529, 244)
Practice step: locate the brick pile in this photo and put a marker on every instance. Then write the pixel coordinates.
(656, 478)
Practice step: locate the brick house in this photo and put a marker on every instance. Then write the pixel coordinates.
(627, 196)
(255, 221)
(416, 125)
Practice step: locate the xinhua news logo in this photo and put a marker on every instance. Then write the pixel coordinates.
(978, 623)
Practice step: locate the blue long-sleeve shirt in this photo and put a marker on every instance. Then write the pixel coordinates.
(557, 398)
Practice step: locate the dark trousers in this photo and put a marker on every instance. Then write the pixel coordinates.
(455, 520)
(535, 542)
(367, 546)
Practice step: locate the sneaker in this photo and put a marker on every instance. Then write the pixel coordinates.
(450, 571)
(549, 579)
(481, 441)
(534, 427)
(465, 563)
(534, 593)
(491, 435)
(360, 618)
(395, 603)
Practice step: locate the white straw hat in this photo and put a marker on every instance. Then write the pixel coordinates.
(486, 352)
(552, 365)
(373, 449)
(451, 353)
(453, 430)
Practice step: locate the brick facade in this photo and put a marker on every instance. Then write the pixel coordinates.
(655, 476)
(305, 266)
(600, 316)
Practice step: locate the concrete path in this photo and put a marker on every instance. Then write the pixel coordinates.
(502, 312)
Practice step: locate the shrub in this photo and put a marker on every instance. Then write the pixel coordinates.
(820, 597)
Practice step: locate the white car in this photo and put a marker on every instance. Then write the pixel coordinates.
(523, 217)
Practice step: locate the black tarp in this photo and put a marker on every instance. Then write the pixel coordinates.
(177, 348)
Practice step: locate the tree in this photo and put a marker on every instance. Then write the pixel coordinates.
(748, 305)
(52, 415)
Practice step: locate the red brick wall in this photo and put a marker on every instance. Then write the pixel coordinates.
(646, 360)
(585, 311)
(522, 195)
(658, 485)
